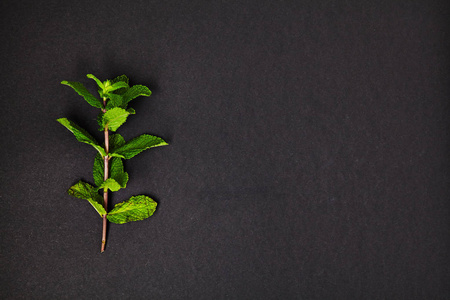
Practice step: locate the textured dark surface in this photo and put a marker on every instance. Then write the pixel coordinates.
(308, 158)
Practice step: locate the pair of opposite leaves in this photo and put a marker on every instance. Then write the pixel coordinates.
(116, 95)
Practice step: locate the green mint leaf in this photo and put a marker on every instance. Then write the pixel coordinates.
(109, 184)
(114, 118)
(99, 121)
(137, 208)
(116, 86)
(122, 78)
(82, 91)
(99, 83)
(115, 141)
(114, 101)
(87, 192)
(116, 171)
(137, 145)
(81, 135)
(98, 172)
(135, 91)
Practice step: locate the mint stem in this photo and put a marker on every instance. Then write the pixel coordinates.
(105, 190)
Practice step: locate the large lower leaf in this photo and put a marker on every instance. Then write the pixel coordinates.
(82, 91)
(114, 118)
(81, 134)
(137, 145)
(87, 192)
(137, 208)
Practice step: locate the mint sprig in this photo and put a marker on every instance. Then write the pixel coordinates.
(108, 171)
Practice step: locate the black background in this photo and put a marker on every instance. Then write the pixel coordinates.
(308, 157)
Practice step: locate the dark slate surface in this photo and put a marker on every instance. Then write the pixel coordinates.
(308, 158)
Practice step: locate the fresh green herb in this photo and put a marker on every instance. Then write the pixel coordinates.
(108, 169)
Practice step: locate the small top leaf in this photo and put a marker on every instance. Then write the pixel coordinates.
(99, 83)
(122, 78)
(137, 208)
(116, 86)
(114, 118)
(87, 192)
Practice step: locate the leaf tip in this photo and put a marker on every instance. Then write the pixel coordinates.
(162, 142)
